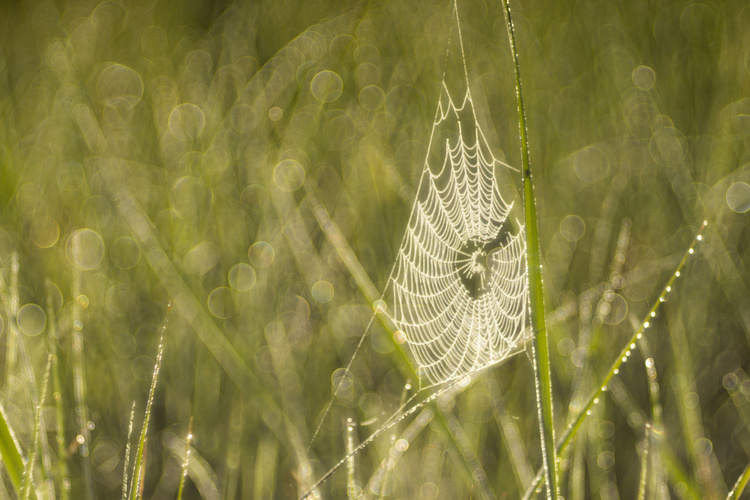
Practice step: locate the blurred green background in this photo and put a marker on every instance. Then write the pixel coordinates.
(155, 151)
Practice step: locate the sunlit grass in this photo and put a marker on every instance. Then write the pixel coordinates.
(255, 164)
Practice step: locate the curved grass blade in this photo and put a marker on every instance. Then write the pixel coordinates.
(615, 368)
(540, 346)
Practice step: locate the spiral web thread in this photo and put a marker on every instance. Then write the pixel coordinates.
(458, 286)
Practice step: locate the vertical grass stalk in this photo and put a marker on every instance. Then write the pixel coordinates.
(540, 345)
(644, 463)
(126, 463)
(28, 480)
(61, 468)
(186, 461)
(135, 487)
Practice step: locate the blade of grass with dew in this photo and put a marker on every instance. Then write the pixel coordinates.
(572, 429)
(28, 480)
(657, 487)
(126, 463)
(139, 457)
(351, 486)
(10, 451)
(644, 463)
(186, 460)
(543, 379)
(79, 384)
(739, 486)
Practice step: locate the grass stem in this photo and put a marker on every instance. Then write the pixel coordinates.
(534, 268)
(136, 486)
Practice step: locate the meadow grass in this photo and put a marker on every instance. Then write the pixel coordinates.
(254, 163)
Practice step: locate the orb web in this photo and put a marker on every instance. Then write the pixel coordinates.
(458, 290)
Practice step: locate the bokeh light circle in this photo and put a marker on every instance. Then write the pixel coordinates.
(644, 77)
(125, 253)
(85, 249)
(261, 254)
(738, 197)
(322, 292)
(326, 86)
(371, 97)
(31, 320)
(289, 175)
(591, 164)
(187, 121)
(242, 277)
(117, 80)
(221, 303)
(572, 228)
(44, 231)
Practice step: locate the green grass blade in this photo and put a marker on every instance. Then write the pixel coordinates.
(126, 463)
(139, 458)
(28, 480)
(739, 486)
(534, 267)
(644, 464)
(60, 471)
(186, 461)
(10, 452)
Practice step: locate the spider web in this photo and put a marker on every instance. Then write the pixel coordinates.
(458, 289)
(457, 292)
